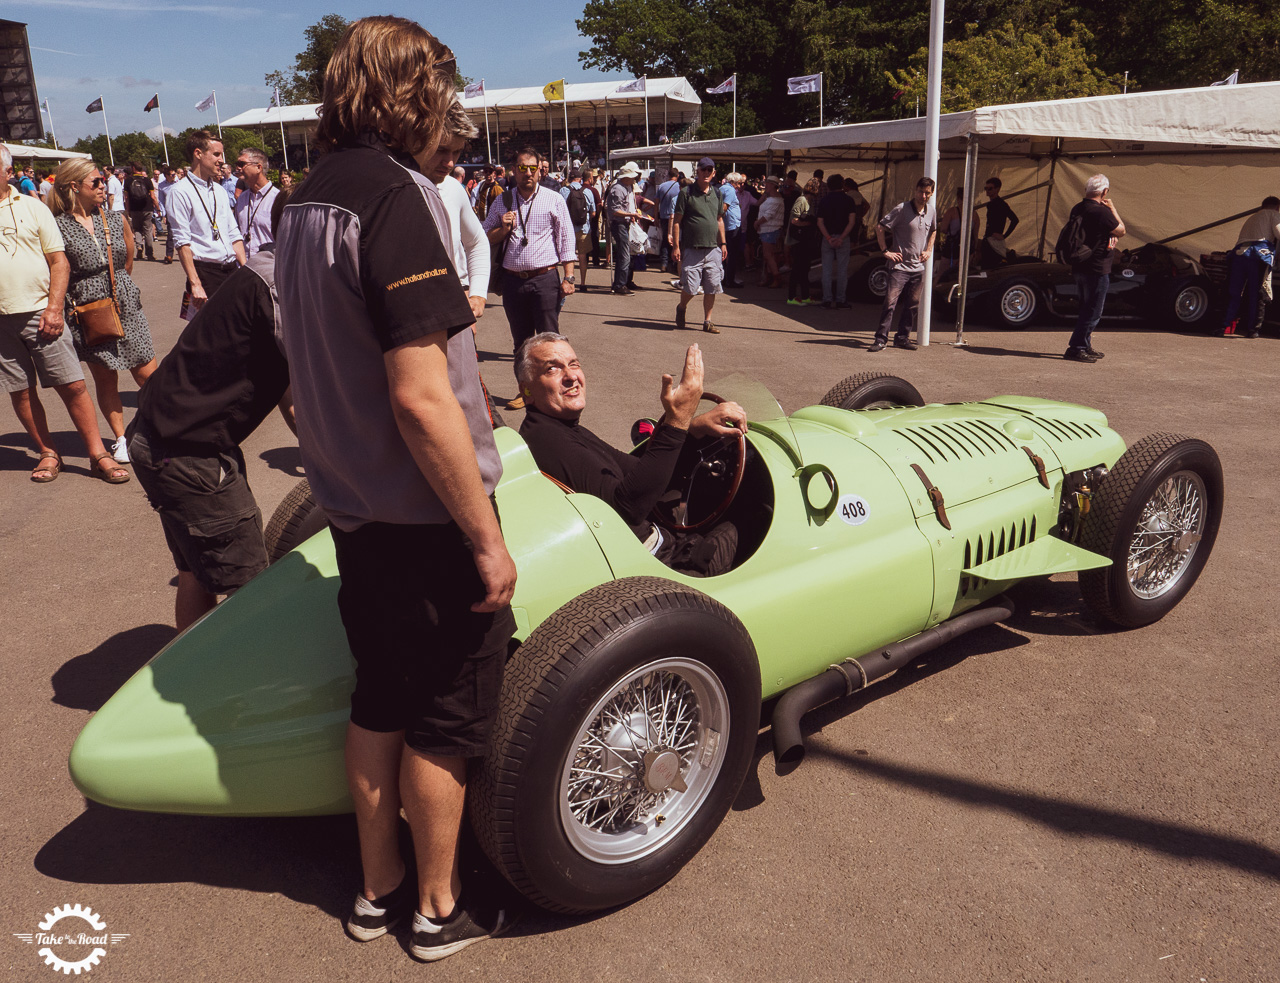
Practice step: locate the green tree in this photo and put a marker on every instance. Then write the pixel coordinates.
(304, 82)
(1005, 65)
(127, 147)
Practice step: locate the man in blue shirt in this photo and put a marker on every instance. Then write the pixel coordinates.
(732, 214)
(667, 192)
(577, 202)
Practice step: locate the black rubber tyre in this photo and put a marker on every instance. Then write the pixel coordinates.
(1191, 305)
(561, 691)
(871, 281)
(1162, 488)
(296, 519)
(1016, 303)
(872, 391)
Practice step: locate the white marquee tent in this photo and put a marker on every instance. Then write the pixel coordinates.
(23, 152)
(1176, 159)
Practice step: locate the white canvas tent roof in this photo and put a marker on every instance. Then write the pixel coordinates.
(524, 106)
(23, 152)
(1237, 116)
(273, 115)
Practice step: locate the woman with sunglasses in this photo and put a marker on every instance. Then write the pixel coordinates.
(89, 230)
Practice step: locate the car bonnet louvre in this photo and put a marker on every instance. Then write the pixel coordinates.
(993, 543)
(1064, 431)
(956, 441)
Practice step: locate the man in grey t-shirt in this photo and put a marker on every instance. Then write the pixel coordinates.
(913, 224)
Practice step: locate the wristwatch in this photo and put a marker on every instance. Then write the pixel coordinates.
(569, 279)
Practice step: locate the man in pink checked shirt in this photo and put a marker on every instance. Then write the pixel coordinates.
(539, 234)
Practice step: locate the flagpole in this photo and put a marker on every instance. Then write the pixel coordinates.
(52, 132)
(567, 159)
(284, 143)
(735, 104)
(110, 153)
(163, 138)
(217, 115)
(488, 148)
(822, 84)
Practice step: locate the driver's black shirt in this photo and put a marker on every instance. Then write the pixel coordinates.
(631, 483)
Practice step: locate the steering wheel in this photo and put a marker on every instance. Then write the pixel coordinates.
(706, 479)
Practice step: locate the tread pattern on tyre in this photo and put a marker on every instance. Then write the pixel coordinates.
(533, 677)
(289, 515)
(842, 390)
(1098, 532)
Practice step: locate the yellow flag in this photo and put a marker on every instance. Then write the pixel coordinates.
(553, 91)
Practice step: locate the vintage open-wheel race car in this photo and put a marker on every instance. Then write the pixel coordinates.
(871, 528)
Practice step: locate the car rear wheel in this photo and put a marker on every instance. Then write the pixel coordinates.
(627, 723)
(872, 391)
(296, 519)
(1156, 516)
(1190, 306)
(871, 281)
(1016, 303)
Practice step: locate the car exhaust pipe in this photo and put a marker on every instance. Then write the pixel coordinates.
(852, 675)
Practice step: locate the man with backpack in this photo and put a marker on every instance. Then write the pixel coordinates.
(140, 196)
(581, 206)
(1086, 242)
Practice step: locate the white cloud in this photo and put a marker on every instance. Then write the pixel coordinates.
(154, 132)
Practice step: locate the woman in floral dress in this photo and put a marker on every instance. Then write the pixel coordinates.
(77, 199)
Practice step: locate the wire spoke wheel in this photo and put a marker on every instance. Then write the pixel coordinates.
(643, 761)
(1167, 534)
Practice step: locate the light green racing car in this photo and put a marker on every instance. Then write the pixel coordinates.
(871, 528)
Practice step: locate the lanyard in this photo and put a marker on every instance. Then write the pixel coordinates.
(525, 215)
(253, 210)
(213, 219)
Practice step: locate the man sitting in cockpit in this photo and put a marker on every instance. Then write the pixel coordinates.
(554, 388)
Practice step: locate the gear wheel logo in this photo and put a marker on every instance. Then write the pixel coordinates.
(66, 946)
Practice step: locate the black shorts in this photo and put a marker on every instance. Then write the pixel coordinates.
(425, 662)
(210, 518)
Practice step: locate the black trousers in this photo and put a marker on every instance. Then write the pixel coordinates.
(532, 306)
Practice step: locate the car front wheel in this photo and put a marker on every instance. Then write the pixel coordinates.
(1156, 516)
(627, 724)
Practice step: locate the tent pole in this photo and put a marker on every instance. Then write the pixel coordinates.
(306, 147)
(488, 147)
(933, 108)
(551, 140)
(1048, 198)
(647, 141)
(884, 180)
(966, 232)
(567, 158)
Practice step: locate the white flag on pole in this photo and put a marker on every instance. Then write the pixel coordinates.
(804, 83)
(728, 85)
(275, 97)
(206, 103)
(637, 85)
(473, 90)
(1232, 79)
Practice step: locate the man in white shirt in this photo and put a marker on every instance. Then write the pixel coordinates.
(465, 237)
(1249, 262)
(253, 207)
(202, 226)
(167, 180)
(115, 192)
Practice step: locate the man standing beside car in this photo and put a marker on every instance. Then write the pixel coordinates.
(1102, 227)
(914, 226)
(399, 449)
(1253, 254)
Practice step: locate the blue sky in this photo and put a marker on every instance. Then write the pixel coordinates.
(127, 50)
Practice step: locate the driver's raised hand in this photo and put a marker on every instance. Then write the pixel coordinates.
(680, 399)
(728, 418)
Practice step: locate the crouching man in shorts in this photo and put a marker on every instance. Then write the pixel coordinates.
(220, 381)
(699, 244)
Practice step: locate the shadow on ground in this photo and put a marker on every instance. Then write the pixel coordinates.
(286, 459)
(86, 681)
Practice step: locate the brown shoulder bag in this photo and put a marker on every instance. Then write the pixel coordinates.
(99, 320)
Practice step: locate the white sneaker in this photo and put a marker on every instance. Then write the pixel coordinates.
(120, 451)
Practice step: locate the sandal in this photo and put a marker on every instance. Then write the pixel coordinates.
(42, 474)
(114, 475)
